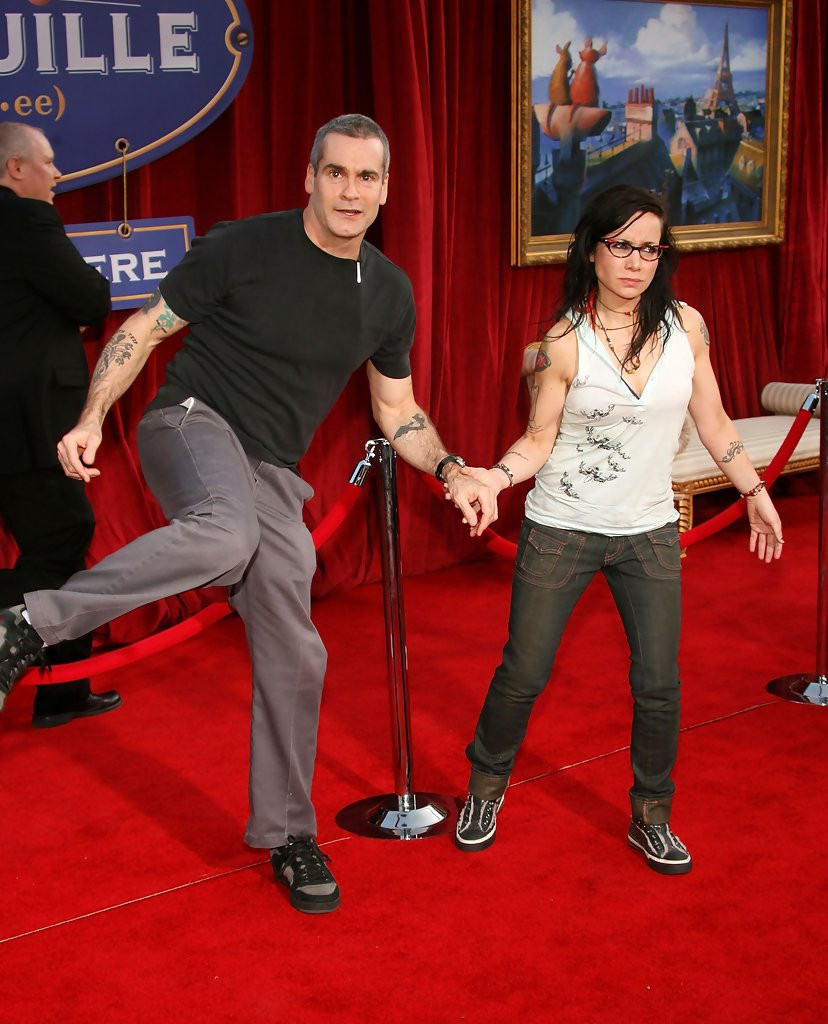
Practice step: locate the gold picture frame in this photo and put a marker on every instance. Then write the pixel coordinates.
(719, 164)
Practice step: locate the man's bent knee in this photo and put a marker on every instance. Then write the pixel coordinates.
(225, 548)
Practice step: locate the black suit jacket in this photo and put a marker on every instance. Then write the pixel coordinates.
(47, 292)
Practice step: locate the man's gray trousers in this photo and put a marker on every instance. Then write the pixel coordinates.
(233, 521)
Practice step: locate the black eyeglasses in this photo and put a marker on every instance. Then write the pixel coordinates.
(624, 249)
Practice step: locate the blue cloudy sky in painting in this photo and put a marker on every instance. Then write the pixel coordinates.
(674, 47)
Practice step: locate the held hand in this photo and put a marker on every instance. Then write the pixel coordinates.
(475, 496)
(765, 527)
(494, 479)
(76, 451)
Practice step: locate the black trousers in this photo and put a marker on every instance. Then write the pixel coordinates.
(52, 523)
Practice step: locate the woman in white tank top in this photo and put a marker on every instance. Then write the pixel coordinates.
(610, 385)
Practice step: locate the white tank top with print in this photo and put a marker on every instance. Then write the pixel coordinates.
(610, 469)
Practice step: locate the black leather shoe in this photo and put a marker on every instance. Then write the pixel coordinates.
(95, 704)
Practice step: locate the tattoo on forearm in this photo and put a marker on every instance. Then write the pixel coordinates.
(517, 454)
(704, 332)
(733, 449)
(165, 320)
(417, 422)
(542, 361)
(117, 350)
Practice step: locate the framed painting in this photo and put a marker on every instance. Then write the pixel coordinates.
(687, 100)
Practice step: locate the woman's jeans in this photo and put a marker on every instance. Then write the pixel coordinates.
(552, 570)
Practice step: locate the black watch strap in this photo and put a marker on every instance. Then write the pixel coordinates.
(441, 465)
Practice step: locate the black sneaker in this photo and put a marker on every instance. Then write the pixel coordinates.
(477, 824)
(20, 649)
(301, 867)
(664, 851)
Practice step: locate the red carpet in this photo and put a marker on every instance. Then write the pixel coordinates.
(128, 895)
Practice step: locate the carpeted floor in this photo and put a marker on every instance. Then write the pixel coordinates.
(129, 896)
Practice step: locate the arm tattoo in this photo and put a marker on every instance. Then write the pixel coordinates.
(542, 361)
(117, 350)
(165, 321)
(513, 452)
(531, 426)
(733, 449)
(416, 423)
(704, 332)
(151, 301)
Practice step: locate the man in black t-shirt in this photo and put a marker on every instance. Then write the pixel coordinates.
(282, 309)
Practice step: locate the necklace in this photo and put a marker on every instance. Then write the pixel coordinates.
(634, 363)
(622, 312)
(623, 327)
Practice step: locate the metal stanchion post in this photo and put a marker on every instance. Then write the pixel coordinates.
(804, 688)
(403, 814)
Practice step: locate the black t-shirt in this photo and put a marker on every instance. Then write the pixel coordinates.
(278, 325)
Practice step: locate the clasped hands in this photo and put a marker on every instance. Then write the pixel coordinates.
(473, 490)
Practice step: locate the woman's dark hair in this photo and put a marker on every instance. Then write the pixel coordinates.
(603, 215)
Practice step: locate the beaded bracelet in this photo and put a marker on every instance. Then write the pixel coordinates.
(754, 490)
(507, 471)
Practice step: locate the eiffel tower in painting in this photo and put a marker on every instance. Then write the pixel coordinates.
(722, 94)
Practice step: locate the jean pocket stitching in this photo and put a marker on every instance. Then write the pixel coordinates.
(551, 551)
(660, 543)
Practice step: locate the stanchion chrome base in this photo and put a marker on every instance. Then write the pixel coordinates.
(801, 689)
(414, 816)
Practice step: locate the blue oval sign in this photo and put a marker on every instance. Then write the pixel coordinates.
(101, 77)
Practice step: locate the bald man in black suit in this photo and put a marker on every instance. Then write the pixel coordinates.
(47, 292)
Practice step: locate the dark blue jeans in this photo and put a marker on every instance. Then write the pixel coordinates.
(552, 570)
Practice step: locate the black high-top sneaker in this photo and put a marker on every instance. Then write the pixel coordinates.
(477, 824)
(664, 851)
(20, 649)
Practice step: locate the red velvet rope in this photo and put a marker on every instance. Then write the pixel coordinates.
(777, 464)
(150, 645)
(145, 648)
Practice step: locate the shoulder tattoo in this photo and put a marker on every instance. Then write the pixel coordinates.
(704, 332)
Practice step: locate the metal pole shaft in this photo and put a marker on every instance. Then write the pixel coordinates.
(822, 590)
(395, 647)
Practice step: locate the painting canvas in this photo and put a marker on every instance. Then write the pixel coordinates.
(685, 100)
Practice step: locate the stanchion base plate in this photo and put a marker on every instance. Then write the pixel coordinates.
(801, 689)
(416, 816)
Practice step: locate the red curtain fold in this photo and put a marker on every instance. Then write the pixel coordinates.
(436, 75)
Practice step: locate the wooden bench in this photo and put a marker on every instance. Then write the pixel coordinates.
(695, 472)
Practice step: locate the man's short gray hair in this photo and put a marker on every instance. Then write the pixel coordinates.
(15, 140)
(355, 126)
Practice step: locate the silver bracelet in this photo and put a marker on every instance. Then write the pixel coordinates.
(507, 471)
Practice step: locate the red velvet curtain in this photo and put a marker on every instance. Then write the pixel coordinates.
(436, 75)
